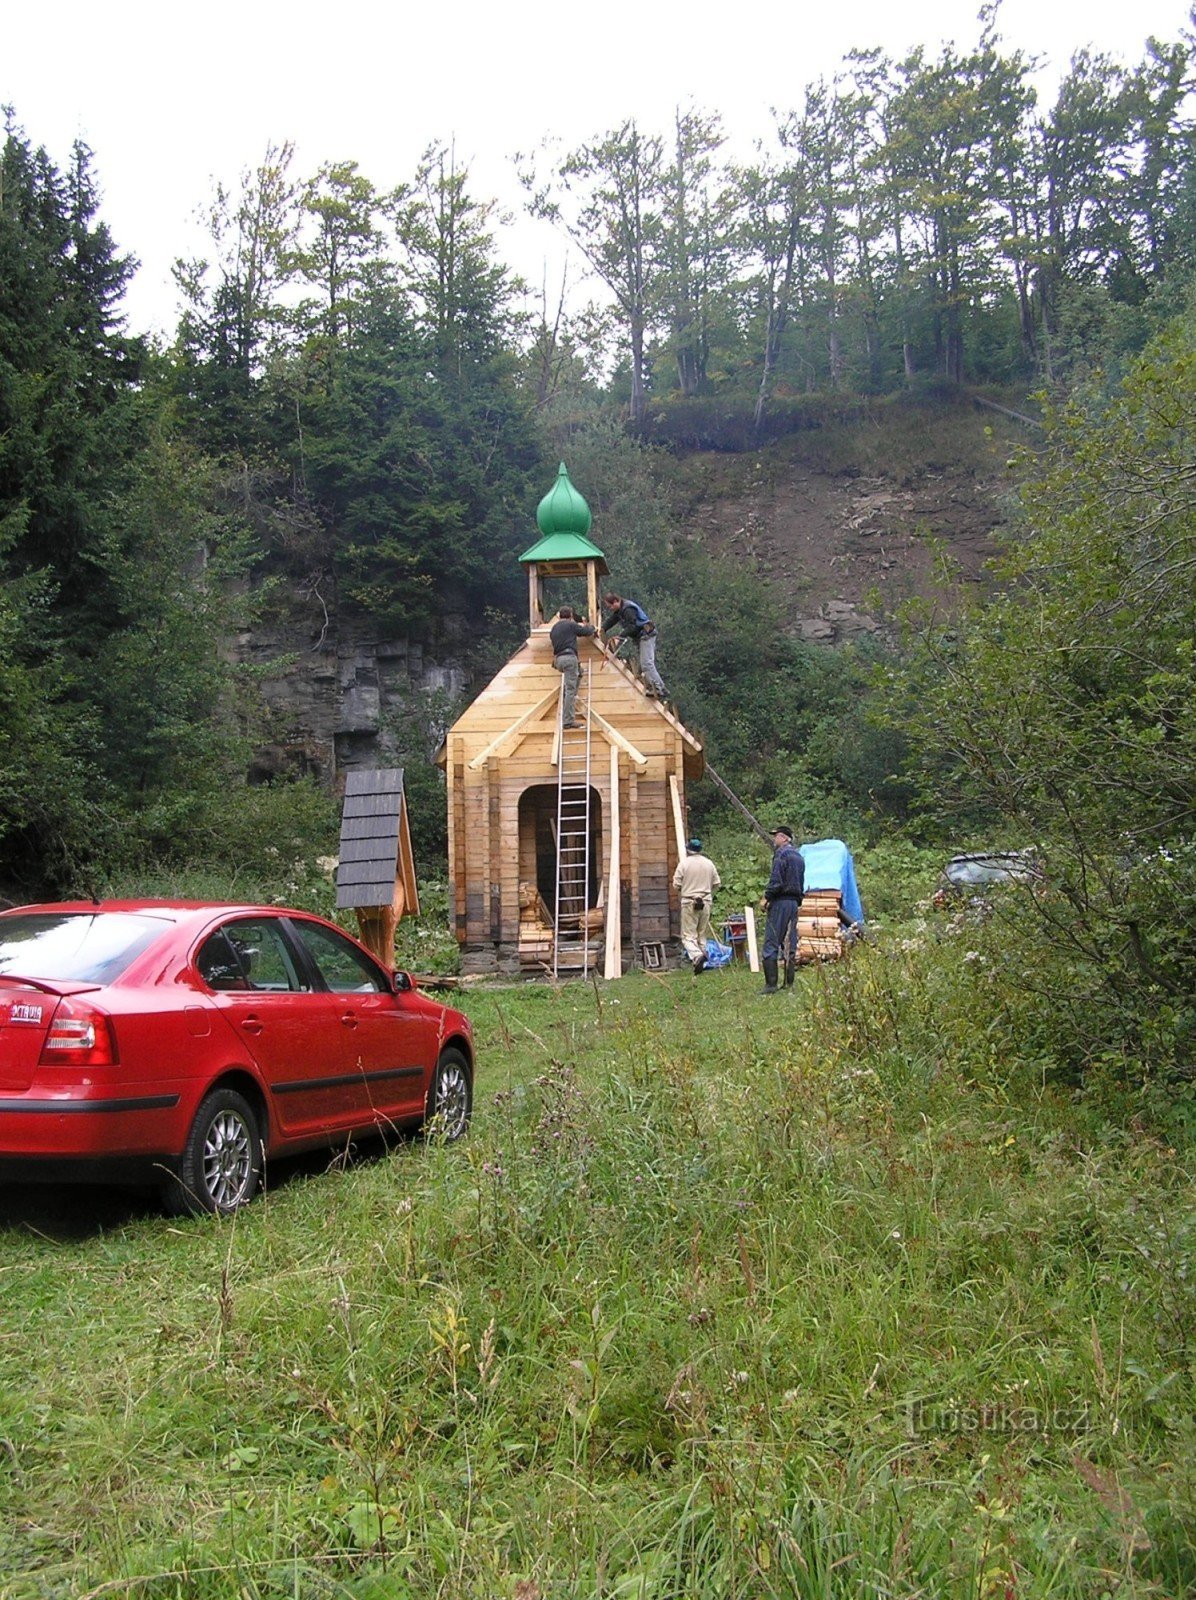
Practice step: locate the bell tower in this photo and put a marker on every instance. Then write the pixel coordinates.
(564, 551)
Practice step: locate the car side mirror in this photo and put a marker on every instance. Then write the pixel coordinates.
(403, 983)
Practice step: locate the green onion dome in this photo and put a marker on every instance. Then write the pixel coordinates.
(563, 509)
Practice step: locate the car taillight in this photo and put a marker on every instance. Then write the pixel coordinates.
(79, 1035)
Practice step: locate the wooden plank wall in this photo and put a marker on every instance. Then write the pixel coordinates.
(458, 842)
(487, 867)
(488, 858)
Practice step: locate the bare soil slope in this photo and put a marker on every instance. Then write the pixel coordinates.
(850, 522)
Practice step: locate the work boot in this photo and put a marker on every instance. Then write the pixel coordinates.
(769, 963)
(699, 964)
(790, 969)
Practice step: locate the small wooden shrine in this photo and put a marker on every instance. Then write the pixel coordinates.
(375, 875)
(563, 844)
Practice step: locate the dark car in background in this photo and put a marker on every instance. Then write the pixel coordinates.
(184, 1044)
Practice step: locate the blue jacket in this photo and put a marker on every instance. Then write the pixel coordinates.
(788, 875)
(631, 617)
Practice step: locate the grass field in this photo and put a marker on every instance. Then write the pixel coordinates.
(724, 1296)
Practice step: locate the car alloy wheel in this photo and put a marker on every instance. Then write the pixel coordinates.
(222, 1161)
(450, 1097)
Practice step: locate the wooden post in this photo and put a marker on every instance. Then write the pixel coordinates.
(678, 817)
(534, 615)
(458, 849)
(614, 899)
(749, 916)
(633, 851)
(376, 928)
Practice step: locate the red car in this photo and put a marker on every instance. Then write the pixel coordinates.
(184, 1044)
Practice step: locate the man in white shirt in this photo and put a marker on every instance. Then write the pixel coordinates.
(695, 880)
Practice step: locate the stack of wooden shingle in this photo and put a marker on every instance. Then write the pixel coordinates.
(820, 926)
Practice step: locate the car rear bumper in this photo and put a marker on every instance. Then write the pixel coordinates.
(113, 1122)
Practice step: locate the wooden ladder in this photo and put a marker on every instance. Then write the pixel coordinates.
(571, 933)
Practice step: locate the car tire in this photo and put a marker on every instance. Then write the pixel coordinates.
(450, 1097)
(221, 1165)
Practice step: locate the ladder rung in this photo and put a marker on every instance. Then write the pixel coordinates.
(573, 948)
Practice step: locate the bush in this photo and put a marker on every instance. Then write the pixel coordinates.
(1067, 707)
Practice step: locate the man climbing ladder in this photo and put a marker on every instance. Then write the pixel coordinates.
(563, 637)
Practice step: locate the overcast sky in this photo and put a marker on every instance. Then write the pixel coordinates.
(171, 97)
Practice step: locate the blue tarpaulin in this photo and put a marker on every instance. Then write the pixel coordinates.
(829, 866)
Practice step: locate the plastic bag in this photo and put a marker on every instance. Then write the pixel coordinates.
(717, 955)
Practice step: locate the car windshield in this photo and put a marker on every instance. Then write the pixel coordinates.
(74, 946)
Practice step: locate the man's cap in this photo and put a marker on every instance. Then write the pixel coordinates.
(783, 827)
(693, 844)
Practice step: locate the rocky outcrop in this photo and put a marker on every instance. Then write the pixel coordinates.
(347, 701)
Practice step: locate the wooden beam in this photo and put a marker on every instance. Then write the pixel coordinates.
(614, 897)
(725, 788)
(617, 740)
(535, 615)
(678, 814)
(749, 917)
(658, 707)
(633, 850)
(458, 850)
(530, 715)
(406, 872)
(495, 846)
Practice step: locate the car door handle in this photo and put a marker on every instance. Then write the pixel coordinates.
(251, 1025)
(349, 1020)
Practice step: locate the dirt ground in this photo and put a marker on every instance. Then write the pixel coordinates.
(849, 523)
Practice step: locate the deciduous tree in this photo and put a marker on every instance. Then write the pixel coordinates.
(607, 196)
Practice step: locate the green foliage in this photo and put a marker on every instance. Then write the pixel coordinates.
(1066, 707)
(114, 596)
(730, 422)
(427, 943)
(269, 844)
(55, 816)
(421, 474)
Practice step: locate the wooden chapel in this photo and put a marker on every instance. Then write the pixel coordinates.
(563, 844)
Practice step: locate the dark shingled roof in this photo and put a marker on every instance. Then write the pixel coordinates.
(370, 835)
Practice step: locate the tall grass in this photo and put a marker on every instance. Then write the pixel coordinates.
(724, 1296)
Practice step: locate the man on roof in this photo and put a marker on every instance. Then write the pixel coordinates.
(639, 631)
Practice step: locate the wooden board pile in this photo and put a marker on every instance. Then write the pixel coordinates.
(820, 925)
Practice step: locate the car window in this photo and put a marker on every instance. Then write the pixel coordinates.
(88, 947)
(344, 968)
(248, 954)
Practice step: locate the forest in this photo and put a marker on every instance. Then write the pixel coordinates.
(361, 399)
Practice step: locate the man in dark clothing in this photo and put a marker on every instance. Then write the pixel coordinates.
(782, 898)
(640, 631)
(563, 637)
